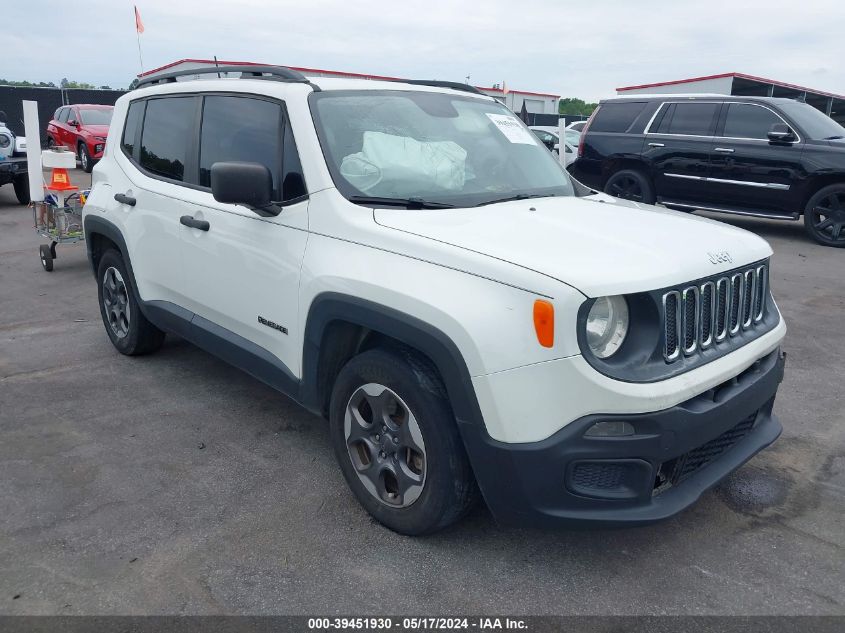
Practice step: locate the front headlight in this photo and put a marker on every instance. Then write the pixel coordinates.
(607, 325)
(5, 141)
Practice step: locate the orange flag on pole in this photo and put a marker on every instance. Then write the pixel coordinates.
(139, 26)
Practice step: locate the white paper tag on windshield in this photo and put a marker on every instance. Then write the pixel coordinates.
(512, 129)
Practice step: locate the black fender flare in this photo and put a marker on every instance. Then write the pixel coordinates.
(409, 330)
(96, 225)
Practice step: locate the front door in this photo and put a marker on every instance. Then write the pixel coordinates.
(748, 172)
(677, 148)
(243, 272)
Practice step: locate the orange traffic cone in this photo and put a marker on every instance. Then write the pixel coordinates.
(59, 180)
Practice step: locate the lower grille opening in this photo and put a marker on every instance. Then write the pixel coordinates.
(674, 471)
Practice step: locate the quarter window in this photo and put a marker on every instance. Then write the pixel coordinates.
(166, 137)
(130, 130)
(616, 117)
(749, 121)
(695, 119)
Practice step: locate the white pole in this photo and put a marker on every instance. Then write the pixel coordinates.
(140, 58)
(561, 134)
(33, 150)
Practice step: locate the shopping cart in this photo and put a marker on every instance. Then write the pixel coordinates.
(61, 223)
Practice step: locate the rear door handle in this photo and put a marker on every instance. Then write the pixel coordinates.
(122, 198)
(189, 221)
(656, 145)
(724, 150)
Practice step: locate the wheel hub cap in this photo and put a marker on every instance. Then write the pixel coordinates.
(116, 302)
(384, 442)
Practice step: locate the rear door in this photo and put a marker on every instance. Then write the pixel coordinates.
(243, 272)
(747, 170)
(677, 148)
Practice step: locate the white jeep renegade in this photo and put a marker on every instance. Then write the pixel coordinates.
(409, 261)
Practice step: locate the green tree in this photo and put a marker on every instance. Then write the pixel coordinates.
(573, 105)
(27, 84)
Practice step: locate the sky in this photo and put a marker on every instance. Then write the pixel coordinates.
(576, 49)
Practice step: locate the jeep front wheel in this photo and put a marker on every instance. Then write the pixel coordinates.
(397, 443)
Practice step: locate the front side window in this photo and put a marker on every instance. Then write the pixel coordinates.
(63, 112)
(443, 148)
(691, 119)
(95, 116)
(166, 136)
(72, 116)
(744, 120)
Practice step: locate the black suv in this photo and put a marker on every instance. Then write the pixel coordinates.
(772, 158)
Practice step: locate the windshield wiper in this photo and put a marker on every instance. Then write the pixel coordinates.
(408, 203)
(519, 196)
(833, 138)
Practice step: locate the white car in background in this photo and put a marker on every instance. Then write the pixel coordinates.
(548, 134)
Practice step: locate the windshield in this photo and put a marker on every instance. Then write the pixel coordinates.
(444, 149)
(98, 116)
(814, 123)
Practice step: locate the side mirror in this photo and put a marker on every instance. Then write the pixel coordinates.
(781, 133)
(249, 184)
(73, 123)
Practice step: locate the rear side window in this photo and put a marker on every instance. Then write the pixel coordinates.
(166, 136)
(749, 121)
(130, 129)
(616, 117)
(696, 119)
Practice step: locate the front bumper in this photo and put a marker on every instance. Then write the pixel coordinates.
(674, 456)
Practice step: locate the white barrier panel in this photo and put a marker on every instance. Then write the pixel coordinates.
(33, 150)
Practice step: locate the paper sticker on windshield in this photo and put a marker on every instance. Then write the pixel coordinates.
(512, 129)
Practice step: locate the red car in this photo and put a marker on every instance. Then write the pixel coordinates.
(83, 129)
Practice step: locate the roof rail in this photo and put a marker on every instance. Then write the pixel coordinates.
(273, 73)
(436, 83)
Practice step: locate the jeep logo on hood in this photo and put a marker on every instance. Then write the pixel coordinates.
(722, 257)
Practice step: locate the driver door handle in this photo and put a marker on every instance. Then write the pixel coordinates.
(122, 198)
(189, 221)
(724, 150)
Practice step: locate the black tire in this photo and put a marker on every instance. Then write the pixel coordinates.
(125, 324)
(448, 486)
(630, 184)
(50, 142)
(824, 216)
(21, 185)
(46, 257)
(85, 160)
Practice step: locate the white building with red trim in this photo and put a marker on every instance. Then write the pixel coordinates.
(744, 85)
(535, 102)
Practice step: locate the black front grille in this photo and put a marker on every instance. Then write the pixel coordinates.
(713, 311)
(674, 471)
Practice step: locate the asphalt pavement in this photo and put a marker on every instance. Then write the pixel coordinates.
(176, 484)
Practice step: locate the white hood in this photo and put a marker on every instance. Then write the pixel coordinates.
(599, 245)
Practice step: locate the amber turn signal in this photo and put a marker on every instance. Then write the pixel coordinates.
(544, 322)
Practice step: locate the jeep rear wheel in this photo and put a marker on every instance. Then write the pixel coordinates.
(395, 438)
(629, 184)
(824, 216)
(130, 332)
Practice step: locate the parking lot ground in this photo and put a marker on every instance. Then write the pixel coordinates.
(174, 483)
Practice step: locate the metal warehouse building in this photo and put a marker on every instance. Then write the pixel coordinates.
(535, 102)
(744, 85)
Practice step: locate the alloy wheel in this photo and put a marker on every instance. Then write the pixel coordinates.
(828, 217)
(385, 444)
(626, 187)
(83, 158)
(116, 302)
